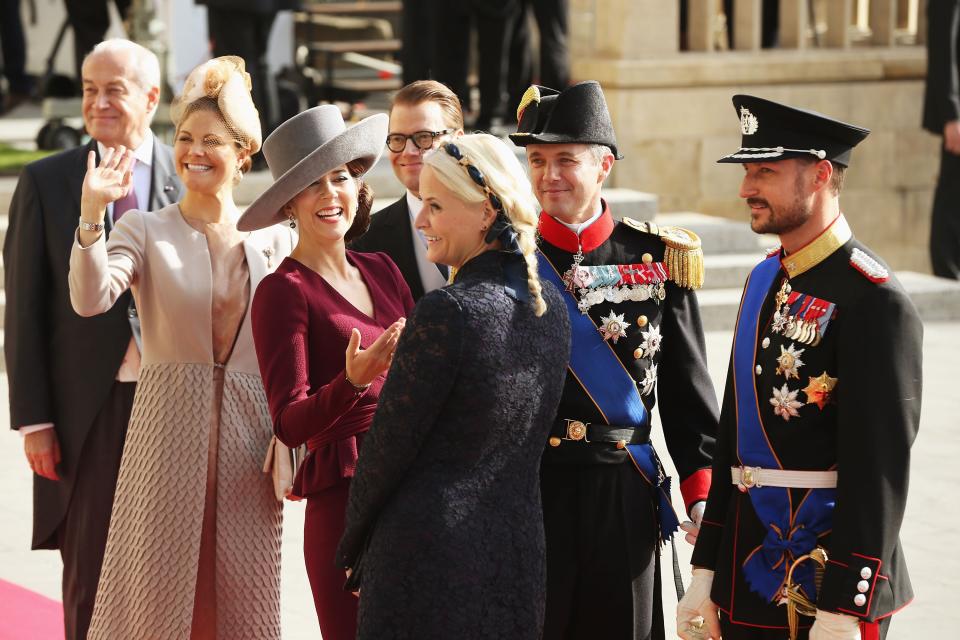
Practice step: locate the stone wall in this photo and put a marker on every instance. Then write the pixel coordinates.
(674, 118)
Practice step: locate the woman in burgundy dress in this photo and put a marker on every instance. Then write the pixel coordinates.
(325, 325)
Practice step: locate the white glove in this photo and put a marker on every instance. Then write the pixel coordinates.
(697, 616)
(692, 529)
(835, 626)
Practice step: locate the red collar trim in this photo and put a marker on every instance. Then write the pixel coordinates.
(562, 237)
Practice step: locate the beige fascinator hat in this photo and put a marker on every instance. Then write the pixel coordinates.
(307, 146)
(225, 80)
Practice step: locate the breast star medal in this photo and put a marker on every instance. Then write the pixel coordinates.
(785, 403)
(614, 327)
(649, 380)
(820, 390)
(789, 361)
(651, 341)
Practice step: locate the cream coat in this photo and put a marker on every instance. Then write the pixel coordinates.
(148, 580)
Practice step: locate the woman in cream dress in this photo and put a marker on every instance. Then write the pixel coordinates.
(194, 543)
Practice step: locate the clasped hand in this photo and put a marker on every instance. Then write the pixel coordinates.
(364, 365)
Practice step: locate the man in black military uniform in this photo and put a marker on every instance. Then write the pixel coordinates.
(941, 116)
(822, 404)
(636, 335)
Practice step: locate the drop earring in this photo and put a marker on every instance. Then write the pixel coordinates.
(293, 223)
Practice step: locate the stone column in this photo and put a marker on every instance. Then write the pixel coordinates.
(623, 29)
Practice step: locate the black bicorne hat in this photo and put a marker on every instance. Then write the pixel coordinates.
(773, 131)
(578, 114)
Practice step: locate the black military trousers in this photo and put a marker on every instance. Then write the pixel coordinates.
(247, 34)
(602, 563)
(90, 20)
(733, 631)
(945, 220)
(82, 536)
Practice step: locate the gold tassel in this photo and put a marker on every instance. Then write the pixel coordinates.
(797, 603)
(683, 255)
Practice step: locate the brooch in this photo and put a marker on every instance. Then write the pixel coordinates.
(268, 253)
(614, 327)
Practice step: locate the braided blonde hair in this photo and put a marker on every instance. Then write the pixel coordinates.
(506, 178)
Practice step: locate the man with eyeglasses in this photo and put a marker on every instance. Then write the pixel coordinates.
(423, 114)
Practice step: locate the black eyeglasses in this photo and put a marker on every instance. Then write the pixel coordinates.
(422, 140)
(475, 174)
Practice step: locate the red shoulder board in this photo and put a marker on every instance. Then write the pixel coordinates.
(870, 268)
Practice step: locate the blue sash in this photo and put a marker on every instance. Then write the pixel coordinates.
(790, 533)
(612, 389)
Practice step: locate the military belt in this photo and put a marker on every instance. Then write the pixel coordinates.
(565, 429)
(749, 477)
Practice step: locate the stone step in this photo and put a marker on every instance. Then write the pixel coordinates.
(935, 299)
(729, 270)
(719, 235)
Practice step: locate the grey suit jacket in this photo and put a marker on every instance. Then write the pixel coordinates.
(60, 367)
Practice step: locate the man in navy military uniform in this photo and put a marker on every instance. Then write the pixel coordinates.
(637, 335)
(822, 404)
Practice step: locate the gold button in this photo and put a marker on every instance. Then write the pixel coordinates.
(554, 441)
(641, 321)
(647, 258)
(621, 444)
(637, 353)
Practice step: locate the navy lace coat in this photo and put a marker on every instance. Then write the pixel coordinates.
(444, 522)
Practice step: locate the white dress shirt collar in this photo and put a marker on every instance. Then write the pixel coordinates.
(581, 227)
(430, 274)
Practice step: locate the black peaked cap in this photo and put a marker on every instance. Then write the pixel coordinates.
(773, 131)
(578, 114)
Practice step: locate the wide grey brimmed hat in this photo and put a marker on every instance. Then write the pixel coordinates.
(306, 147)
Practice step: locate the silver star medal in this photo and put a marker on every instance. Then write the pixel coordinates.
(649, 380)
(785, 403)
(651, 342)
(614, 327)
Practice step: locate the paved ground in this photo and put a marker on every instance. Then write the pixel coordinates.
(929, 532)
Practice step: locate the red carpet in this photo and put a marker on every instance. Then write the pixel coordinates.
(26, 615)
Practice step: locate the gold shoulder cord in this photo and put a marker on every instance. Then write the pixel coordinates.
(797, 603)
(683, 255)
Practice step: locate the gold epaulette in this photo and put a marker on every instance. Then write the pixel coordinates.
(683, 256)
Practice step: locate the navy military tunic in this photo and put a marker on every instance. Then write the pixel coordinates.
(600, 520)
(836, 367)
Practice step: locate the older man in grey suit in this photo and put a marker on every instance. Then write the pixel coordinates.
(72, 379)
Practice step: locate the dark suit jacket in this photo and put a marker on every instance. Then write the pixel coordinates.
(264, 7)
(390, 232)
(942, 97)
(60, 367)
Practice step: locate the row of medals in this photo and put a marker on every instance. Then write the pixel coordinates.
(820, 389)
(615, 325)
(792, 327)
